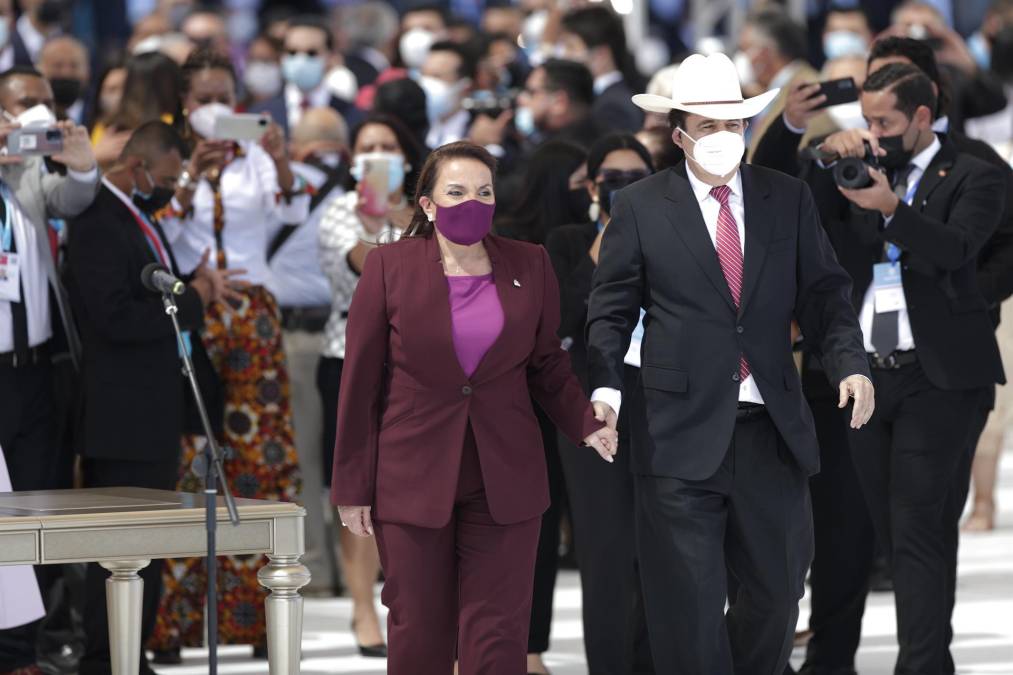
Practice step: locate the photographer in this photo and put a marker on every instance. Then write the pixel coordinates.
(31, 341)
(912, 248)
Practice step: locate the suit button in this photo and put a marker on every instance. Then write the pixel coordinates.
(735, 377)
(740, 330)
(466, 390)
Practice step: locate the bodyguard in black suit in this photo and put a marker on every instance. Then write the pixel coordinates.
(935, 358)
(133, 387)
(723, 441)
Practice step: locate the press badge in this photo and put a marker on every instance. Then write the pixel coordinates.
(887, 287)
(10, 289)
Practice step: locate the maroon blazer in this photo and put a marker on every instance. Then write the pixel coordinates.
(405, 402)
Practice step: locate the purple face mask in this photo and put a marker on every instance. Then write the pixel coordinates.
(466, 223)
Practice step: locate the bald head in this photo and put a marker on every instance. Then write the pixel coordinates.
(64, 57)
(319, 129)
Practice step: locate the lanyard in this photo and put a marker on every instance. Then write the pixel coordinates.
(7, 233)
(892, 250)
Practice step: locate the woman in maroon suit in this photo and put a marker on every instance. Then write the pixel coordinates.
(451, 331)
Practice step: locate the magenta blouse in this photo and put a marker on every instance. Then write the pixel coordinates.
(476, 317)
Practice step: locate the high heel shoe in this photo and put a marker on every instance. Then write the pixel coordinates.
(377, 651)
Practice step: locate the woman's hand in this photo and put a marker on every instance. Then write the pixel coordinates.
(605, 441)
(109, 147)
(208, 155)
(357, 520)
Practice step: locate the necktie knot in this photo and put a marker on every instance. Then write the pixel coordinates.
(721, 193)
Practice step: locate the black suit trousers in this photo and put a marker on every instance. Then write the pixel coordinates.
(121, 473)
(601, 507)
(907, 460)
(752, 521)
(839, 580)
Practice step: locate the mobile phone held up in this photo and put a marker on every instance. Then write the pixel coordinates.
(373, 187)
(837, 92)
(241, 127)
(35, 141)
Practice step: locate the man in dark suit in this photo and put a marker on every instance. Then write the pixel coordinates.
(133, 390)
(913, 252)
(722, 257)
(308, 56)
(844, 537)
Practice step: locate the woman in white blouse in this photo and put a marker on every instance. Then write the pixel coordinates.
(384, 159)
(226, 202)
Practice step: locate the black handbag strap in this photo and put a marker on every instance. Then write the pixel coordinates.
(287, 230)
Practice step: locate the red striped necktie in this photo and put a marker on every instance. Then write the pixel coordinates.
(730, 255)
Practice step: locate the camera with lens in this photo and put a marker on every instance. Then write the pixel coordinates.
(491, 103)
(852, 173)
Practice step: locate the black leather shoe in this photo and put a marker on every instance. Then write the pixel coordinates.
(377, 651)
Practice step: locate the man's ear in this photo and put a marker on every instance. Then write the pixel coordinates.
(923, 117)
(677, 139)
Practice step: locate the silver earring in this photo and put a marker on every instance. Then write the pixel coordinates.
(594, 211)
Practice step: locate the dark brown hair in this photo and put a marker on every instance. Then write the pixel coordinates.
(420, 225)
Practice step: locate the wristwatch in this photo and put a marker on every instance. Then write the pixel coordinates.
(186, 182)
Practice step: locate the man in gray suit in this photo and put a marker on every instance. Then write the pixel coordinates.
(32, 192)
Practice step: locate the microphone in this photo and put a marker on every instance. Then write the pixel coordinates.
(156, 278)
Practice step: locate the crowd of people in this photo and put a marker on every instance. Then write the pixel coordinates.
(467, 241)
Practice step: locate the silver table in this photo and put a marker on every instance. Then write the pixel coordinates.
(123, 529)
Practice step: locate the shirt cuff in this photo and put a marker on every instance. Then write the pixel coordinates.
(792, 129)
(89, 176)
(611, 397)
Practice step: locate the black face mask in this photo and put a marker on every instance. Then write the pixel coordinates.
(155, 202)
(608, 188)
(579, 201)
(896, 157)
(65, 91)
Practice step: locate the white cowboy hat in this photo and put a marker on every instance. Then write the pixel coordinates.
(707, 86)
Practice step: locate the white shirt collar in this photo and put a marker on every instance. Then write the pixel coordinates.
(924, 158)
(127, 201)
(941, 125)
(318, 98)
(702, 190)
(603, 82)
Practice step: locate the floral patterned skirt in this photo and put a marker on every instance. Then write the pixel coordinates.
(245, 347)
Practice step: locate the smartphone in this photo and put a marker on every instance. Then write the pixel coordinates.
(35, 141)
(373, 186)
(241, 127)
(837, 92)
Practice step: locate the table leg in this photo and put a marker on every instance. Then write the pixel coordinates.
(124, 592)
(284, 575)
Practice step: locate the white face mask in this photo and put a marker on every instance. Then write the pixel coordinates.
(719, 153)
(262, 78)
(744, 68)
(848, 116)
(202, 119)
(36, 116)
(414, 47)
(441, 97)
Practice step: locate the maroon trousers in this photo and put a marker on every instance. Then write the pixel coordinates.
(463, 589)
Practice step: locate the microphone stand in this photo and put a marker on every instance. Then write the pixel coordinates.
(213, 469)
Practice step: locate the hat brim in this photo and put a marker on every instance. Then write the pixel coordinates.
(750, 107)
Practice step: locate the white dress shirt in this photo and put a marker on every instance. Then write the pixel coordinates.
(905, 339)
(709, 208)
(341, 230)
(317, 98)
(250, 195)
(35, 285)
(296, 277)
(30, 36)
(450, 130)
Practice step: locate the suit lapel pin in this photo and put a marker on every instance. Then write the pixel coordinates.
(517, 283)
(942, 173)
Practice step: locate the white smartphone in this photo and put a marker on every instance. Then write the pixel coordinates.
(241, 127)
